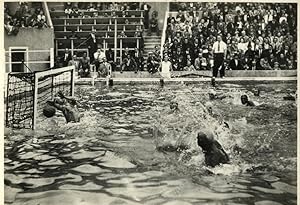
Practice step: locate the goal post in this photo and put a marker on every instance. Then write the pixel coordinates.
(27, 94)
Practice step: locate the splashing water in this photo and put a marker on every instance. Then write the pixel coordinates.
(177, 131)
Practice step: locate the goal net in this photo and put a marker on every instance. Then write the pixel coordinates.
(27, 94)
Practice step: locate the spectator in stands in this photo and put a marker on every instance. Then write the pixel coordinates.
(92, 44)
(200, 62)
(271, 60)
(276, 66)
(189, 66)
(67, 56)
(157, 52)
(235, 63)
(138, 57)
(254, 64)
(10, 29)
(264, 63)
(129, 64)
(136, 34)
(104, 69)
(179, 63)
(125, 14)
(110, 57)
(219, 54)
(92, 7)
(293, 62)
(249, 54)
(41, 20)
(68, 9)
(84, 66)
(122, 35)
(146, 8)
(74, 61)
(125, 53)
(154, 25)
(286, 51)
(75, 12)
(152, 63)
(290, 64)
(98, 57)
(282, 61)
(260, 52)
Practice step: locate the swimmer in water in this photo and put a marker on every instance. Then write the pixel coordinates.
(213, 151)
(68, 106)
(213, 95)
(246, 101)
(291, 97)
(174, 106)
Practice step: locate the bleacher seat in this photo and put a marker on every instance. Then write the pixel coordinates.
(73, 31)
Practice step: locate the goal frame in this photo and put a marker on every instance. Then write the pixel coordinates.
(45, 73)
(37, 75)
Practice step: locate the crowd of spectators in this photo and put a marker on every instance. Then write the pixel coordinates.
(76, 9)
(102, 62)
(25, 16)
(257, 35)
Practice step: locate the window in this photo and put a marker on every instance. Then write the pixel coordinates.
(18, 59)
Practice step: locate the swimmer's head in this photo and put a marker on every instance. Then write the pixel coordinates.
(205, 140)
(211, 96)
(174, 106)
(244, 99)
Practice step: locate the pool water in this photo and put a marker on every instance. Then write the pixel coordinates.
(130, 148)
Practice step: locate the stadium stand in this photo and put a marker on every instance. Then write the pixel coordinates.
(25, 16)
(258, 35)
(116, 29)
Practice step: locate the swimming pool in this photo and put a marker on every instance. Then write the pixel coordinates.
(130, 149)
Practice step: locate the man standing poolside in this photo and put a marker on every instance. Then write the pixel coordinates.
(220, 51)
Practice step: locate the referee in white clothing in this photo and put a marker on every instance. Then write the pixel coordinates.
(220, 51)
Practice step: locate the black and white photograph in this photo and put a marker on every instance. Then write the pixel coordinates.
(151, 102)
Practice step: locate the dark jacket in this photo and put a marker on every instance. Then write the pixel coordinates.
(232, 65)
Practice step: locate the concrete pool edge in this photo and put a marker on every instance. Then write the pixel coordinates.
(80, 81)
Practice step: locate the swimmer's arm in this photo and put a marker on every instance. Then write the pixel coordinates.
(68, 98)
(57, 106)
(251, 104)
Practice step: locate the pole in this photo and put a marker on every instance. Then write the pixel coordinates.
(35, 100)
(115, 41)
(7, 101)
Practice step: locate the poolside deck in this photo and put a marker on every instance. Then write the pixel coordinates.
(184, 80)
